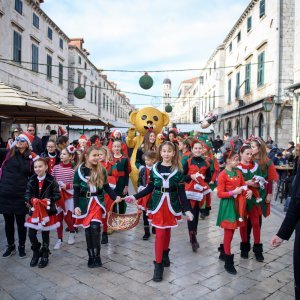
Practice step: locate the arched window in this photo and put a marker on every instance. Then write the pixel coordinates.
(261, 125)
(247, 127)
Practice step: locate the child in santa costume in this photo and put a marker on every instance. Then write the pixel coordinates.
(231, 184)
(90, 182)
(250, 170)
(64, 174)
(197, 171)
(167, 201)
(123, 168)
(144, 177)
(82, 143)
(106, 161)
(41, 194)
(117, 136)
(52, 154)
(214, 169)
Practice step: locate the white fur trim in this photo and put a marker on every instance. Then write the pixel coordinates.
(141, 188)
(194, 195)
(36, 158)
(162, 199)
(89, 206)
(246, 170)
(39, 226)
(93, 220)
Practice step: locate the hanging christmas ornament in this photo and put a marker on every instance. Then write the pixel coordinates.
(146, 81)
(168, 108)
(79, 92)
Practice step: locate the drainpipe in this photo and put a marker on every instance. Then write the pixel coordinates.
(279, 67)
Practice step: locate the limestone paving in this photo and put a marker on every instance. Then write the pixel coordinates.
(128, 268)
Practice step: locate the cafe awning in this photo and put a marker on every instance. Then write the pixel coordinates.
(22, 107)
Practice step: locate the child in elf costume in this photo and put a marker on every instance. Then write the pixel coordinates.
(197, 173)
(144, 177)
(105, 160)
(166, 203)
(123, 170)
(214, 170)
(90, 182)
(251, 170)
(41, 194)
(64, 174)
(230, 184)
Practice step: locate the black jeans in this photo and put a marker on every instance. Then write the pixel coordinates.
(10, 228)
(145, 219)
(33, 238)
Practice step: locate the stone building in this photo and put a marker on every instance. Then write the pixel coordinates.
(38, 58)
(258, 67)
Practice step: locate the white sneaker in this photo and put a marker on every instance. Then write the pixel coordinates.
(71, 239)
(58, 244)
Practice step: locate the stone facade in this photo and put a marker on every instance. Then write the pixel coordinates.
(61, 64)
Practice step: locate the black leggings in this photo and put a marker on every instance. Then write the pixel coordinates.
(92, 235)
(192, 225)
(33, 238)
(145, 219)
(10, 228)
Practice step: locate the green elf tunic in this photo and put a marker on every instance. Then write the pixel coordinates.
(168, 197)
(228, 214)
(269, 173)
(89, 198)
(249, 171)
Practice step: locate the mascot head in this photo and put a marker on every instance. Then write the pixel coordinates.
(149, 118)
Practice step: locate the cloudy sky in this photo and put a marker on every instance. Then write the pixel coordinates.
(147, 35)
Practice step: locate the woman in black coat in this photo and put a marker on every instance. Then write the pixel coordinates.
(290, 223)
(16, 169)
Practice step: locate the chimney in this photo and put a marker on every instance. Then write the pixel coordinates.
(77, 42)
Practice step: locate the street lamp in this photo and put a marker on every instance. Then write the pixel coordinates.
(268, 104)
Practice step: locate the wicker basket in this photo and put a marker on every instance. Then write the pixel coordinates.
(117, 221)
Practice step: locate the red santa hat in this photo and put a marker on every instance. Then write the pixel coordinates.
(82, 137)
(117, 132)
(62, 132)
(28, 137)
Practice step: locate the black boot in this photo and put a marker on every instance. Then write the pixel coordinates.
(147, 233)
(258, 250)
(158, 272)
(202, 213)
(45, 256)
(229, 264)
(153, 230)
(97, 261)
(207, 211)
(10, 250)
(91, 261)
(166, 260)
(36, 255)
(193, 241)
(22, 253)
(245, 248)
(104, 239)
(222, 253)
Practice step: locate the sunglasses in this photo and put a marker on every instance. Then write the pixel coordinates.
(22, 140)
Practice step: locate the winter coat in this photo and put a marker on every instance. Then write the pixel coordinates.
(50, 190)
(15, 175)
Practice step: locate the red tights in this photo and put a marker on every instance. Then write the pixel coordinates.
(254, 218)
(162, 242)
(228, 236)
(208, 200)
(68, 219)
(104, 223)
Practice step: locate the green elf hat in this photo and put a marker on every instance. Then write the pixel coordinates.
(205, 142)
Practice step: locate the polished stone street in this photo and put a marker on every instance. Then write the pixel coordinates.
(127, 268)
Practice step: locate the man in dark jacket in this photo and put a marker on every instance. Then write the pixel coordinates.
(37, 146)
(217, 144)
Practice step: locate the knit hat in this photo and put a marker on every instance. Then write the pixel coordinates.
(82, 137)
(205, 142)
(28, 137)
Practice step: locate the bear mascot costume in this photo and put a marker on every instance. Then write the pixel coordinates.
(144, 119)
